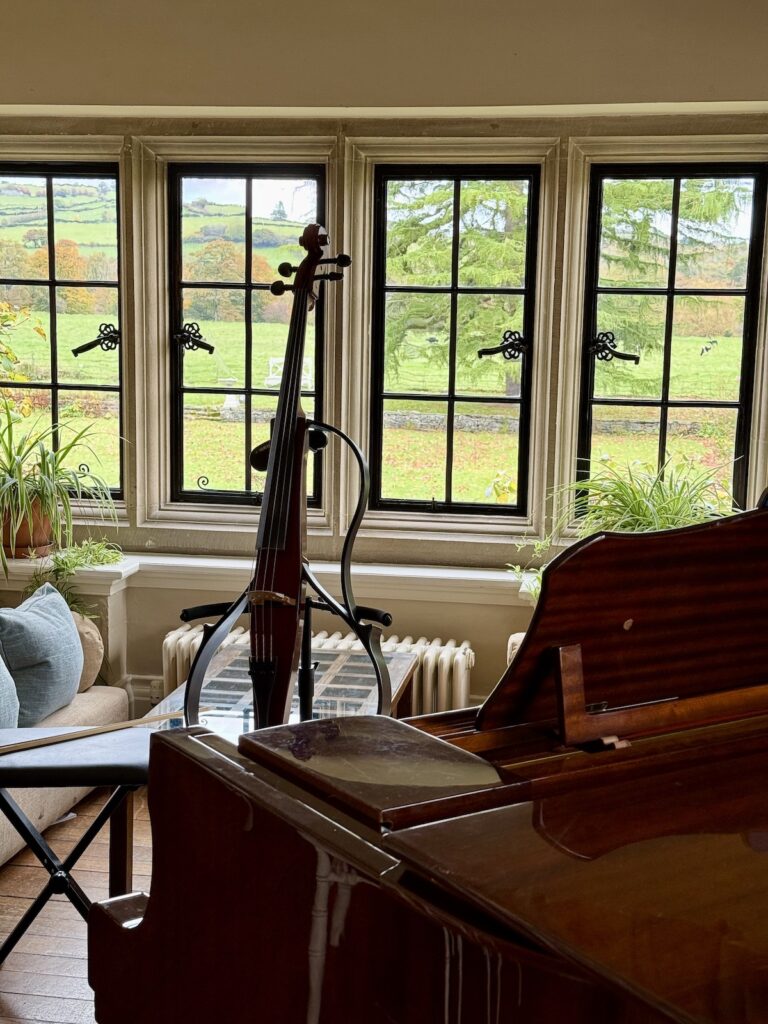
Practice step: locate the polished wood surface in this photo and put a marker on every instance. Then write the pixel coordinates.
(331, 928)
(673, 614)
(494, 865)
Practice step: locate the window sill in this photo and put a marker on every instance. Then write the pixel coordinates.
(373, 583)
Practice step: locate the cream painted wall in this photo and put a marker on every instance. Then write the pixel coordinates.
(403, 53)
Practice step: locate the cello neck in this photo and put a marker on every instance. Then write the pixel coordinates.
(280, 484)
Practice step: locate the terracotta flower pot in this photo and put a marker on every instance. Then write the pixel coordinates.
(39, 541)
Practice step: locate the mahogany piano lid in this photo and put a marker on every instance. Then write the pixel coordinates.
(659, 616)
(659, 884)
(368, 765)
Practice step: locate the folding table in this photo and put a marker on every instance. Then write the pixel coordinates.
(119, 760)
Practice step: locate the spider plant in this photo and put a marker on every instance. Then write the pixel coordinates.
(59, 570)
(39, 481)
(637, 499)
(633, 498)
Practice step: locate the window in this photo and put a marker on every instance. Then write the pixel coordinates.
(59, 264)
(454, 272)
(230, 228)
(673, 280)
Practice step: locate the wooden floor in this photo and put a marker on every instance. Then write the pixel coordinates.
(46, 978)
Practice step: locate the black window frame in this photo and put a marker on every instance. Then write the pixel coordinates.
(49, 170)
(751, 293)
(176, 172)
(383, 174)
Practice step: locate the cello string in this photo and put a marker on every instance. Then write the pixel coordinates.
(288, 449)
(278, 490)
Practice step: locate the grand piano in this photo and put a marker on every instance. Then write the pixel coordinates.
(590, 845)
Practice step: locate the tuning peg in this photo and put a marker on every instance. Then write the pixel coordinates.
(280, 287)
(333, 276)
(285, 270)
(342, 260)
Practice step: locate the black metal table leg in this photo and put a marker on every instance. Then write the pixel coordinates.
(60, 881)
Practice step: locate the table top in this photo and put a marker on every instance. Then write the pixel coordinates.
(345, 684)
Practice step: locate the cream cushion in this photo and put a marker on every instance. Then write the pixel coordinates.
(513, 646)
(101, 705)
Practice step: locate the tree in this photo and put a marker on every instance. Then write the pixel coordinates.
(35, 238)
(635, 249)
(492, 254)
(70, 265)
(217, 260)
(13, 259)
(223, 261)
(100, 267)
(279, 211)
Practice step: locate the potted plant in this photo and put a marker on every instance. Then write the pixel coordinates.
(39, 482)
(59, 570)
(634, 499)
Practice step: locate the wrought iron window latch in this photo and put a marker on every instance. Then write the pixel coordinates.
(604, 347)
(108, 339)
(191, 338)
(512, 346)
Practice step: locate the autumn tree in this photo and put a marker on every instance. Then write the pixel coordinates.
(222, 261)
(70, 264)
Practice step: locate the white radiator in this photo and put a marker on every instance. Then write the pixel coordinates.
(440, 682)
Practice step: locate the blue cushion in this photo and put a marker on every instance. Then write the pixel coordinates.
(41, 648)
(9, 701)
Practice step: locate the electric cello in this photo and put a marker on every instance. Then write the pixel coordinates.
(276, 600)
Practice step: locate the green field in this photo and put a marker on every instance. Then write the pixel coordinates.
(413, 457)
(705, 358)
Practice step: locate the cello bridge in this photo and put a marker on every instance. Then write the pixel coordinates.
(260, 597)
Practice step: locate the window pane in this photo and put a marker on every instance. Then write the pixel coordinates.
(271, 317)
(494, 229)
(706, 437)
(85, 228)
(214, 444)
(635, 226)
(247, 326)
(34, 404)
(625, 434)
(220, 316)
(263, 412)
(213, 229)
(485, 453)
(637, 322)
(282, 208)
(416, 343)
(707, 348)
(99, 411)
(27, 309)
(23, 227)
(414, 451)
(482, 322)
(714, 232)
(81, 312)
(419, 232)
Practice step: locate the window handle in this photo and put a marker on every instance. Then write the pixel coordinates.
(191, 338)
(512, 346)
(604, 347)
(108, 339)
